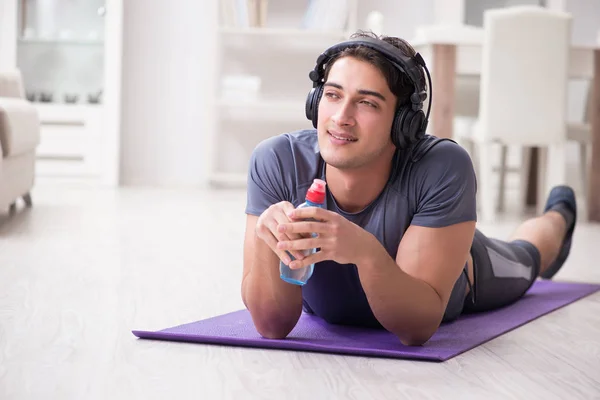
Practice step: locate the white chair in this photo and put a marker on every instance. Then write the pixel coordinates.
(466, 116)
(523, 96)
(466, 104)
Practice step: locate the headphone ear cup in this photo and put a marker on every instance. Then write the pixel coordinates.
(312, 104)
(398, 136)
(308, 108)
(415, 129)
(407, 127)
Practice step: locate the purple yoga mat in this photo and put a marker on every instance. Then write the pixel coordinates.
(313, 334)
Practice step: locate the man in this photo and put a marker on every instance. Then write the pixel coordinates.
(398, 247)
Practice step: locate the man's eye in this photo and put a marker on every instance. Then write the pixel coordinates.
(331, 95)
(369, 103)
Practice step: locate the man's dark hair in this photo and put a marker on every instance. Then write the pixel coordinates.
(399, 83)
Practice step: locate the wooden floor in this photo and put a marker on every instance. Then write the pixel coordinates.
(84, 267)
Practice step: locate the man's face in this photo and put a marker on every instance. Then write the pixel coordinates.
(356, 113)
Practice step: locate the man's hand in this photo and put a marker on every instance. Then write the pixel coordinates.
(267, 229)
(337, 238)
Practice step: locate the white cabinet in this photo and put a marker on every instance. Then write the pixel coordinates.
(69, 54)
(69, 138)
(262, 80)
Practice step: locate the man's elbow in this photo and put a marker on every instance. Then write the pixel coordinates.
(413, 340)
(417, 331)
(416, 336)
(270, 330)
(273, 322)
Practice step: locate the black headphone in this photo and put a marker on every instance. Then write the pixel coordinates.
(410, 122)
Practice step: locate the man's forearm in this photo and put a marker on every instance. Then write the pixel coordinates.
(275, 305)
(408, 307)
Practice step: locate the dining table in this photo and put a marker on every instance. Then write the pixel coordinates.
(455, 51)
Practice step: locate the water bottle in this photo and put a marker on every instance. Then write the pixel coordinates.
(315, 197)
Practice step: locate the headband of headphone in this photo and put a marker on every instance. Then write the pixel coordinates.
(407, 65)
(411, 122)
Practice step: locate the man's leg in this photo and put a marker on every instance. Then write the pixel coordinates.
(551, 233)
(546, 233)
(501, 272)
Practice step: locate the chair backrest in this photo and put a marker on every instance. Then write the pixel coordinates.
(524, 75)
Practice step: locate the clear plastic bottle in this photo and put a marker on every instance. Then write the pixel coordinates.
(315, 197)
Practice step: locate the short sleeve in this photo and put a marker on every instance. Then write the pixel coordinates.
(445, 187)
(266, 181)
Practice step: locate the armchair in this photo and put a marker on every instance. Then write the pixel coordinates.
(19, 138)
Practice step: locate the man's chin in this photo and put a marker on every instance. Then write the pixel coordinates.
(338, 161)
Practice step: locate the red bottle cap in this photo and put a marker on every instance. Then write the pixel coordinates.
(316, 193)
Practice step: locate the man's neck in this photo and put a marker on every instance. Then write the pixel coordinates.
(355, 189)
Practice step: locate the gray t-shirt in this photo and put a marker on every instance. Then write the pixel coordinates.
(433, 184)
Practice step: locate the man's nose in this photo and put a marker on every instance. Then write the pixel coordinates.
(344, 114)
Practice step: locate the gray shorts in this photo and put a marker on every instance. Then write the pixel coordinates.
(502, 272)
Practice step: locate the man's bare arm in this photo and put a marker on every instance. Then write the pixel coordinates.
(409, 295)
(275, 305)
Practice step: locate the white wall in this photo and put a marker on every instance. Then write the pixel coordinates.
(586, 16)
(8, 29)
(401, 17)
(168, 52)
(476, 8)
(449, 12)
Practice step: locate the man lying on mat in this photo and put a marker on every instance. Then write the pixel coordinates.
(398, 243)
